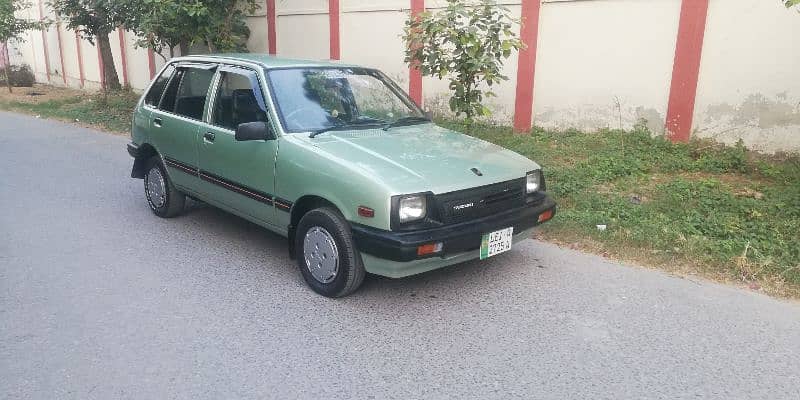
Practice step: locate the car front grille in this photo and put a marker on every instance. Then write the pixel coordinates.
(462, 205)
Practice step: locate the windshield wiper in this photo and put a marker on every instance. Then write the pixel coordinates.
(345, 126)
(405, 121)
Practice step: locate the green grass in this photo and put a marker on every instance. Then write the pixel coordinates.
(722, 211)
(110, 112)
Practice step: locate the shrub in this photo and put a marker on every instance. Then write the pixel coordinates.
(467, 42)
(20, 76)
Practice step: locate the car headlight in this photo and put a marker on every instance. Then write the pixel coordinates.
(411, 208)
(533, 181)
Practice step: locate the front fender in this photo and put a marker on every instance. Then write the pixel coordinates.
(304, 170)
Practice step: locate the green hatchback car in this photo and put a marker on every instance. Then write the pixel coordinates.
(336, 158)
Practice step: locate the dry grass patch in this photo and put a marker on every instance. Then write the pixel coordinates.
(110, 111)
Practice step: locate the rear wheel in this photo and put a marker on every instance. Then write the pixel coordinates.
(164, 199)
(326, 254)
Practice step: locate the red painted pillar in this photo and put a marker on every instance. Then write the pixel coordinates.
(333, 15)
(686, 69)
(526, 65)
(271, 31)
(414, 74)
(151, 63)
(61, 53)
(80, 58)
(123, 56)
(44, 43)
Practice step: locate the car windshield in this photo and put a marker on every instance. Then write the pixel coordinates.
(312, 99)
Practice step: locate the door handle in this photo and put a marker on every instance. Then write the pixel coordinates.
(157, 122)
(209, 136)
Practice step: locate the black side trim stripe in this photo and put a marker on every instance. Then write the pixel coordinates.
(283, 204)
(266, 198)
(171, 162)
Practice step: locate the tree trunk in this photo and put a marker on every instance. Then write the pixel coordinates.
(184, 46)
(8, 66)
(109, 70)
(211, 48)
(8, 80)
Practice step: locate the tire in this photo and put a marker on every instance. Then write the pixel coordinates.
(320, 227)
(164, 200)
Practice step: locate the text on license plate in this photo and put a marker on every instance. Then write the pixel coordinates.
(496, 242)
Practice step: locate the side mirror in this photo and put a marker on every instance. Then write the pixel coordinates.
(257, 130)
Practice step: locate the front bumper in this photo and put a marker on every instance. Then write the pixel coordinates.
(456, 238)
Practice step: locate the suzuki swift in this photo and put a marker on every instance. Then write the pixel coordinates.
(334, 157)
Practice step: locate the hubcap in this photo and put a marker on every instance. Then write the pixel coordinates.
(155, 188)
(321, 254)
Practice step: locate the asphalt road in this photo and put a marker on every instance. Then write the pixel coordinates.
(100, 299)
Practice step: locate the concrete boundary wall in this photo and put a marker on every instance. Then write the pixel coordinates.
(723, 69)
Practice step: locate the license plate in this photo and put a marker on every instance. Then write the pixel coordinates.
(496, 242)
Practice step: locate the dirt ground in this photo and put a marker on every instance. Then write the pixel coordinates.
(39, 93)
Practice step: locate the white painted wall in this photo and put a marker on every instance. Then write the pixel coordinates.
(600, 63)
(138, 69)
(91, 65)
(302, 29)
(370, 36)
(32, 48)
(749, 86)
(71, 68)
(55, 61)
(32, 51)
(257, 42)
(116, 51)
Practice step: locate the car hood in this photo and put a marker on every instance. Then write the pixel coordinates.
(423, 157)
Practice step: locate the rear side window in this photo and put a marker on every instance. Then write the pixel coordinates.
(187, 92)
(193, 92)
(168, 101)
(154, 95)
(236, 101)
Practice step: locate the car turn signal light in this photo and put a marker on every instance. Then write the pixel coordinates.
(366, 212)
(546, 215)
(429, 248)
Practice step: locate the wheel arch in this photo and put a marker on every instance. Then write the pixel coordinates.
(300, 208)
(145, 152)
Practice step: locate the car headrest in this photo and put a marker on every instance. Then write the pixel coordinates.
(245, 107)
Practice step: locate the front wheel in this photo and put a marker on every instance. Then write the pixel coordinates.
(326, 254)
(164, 199)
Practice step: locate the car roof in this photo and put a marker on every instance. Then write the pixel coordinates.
(270, 61)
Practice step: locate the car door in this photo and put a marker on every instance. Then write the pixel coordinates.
(241, 174)
(175, 124)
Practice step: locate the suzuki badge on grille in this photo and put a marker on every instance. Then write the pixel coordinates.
(463, 206)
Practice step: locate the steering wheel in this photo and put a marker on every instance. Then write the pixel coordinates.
(290, 117)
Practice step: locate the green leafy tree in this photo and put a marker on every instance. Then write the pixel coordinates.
(12, 28)
(220, 25)
(95, 20)
(791, 3)
(467, 42)
(164, 24)
(227, 30)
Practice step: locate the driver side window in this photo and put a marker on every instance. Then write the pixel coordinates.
(236, 102)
